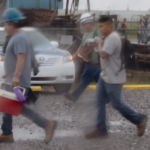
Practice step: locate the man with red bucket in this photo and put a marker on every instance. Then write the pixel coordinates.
(17, 66)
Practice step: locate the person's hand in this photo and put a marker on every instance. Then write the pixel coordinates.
(74, 56)
(15, 81)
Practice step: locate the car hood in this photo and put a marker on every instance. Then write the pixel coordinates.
(46, 51)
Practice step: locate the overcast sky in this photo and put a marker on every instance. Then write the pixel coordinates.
(115, 4)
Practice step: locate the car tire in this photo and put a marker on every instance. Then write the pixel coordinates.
(62, 88)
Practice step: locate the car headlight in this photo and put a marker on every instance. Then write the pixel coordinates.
(1, 58)
(67, 59)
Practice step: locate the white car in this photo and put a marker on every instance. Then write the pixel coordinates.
(56, 67)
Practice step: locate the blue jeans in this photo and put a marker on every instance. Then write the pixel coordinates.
(91, 73)
(27, 112)
(142, 38)
(113, 93)
(124, 33)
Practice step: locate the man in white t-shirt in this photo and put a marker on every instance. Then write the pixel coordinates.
(111, 81)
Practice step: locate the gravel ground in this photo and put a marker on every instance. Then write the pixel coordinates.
(75, 119)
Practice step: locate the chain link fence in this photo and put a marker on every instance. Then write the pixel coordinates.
(70, 39)
(141, 42)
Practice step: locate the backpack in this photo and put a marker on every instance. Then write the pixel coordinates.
(128, 58)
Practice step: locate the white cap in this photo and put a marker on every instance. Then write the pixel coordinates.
(87, 18)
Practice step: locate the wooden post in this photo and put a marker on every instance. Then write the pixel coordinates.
(49, 4)
(67, 5)
(55, 4)
(88, 3)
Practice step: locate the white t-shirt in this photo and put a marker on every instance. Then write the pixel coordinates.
(111, 65)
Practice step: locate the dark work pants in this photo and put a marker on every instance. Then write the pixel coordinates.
(91, 73)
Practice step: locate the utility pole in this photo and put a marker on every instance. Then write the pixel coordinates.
(88, 3)
(67, 5)
(3, 4)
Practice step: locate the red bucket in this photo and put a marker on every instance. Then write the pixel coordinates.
(9, 103)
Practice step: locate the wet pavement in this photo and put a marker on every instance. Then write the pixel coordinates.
(75, 119)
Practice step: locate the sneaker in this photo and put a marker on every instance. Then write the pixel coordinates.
(49, 131)
(142, 126)
(96, 134)
(69, 97)
(6, 138)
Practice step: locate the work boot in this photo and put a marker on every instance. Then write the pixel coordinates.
(49, 131)
(142, 126)
(6, 138)
(96, 134)
(69, 97)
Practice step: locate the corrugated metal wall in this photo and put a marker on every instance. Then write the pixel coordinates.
(44, 4)
(60, 5)
(34, 4)
(23, 3)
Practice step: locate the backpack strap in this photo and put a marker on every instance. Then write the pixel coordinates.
(122, 56)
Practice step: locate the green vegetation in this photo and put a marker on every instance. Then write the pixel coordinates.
(133, 81)
(132, 25)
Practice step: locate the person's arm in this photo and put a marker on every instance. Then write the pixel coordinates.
(20, 49)
(74, 56)
(108, 47)
(101, 52)
(19, 68)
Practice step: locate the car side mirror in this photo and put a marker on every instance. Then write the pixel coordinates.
(54, 43)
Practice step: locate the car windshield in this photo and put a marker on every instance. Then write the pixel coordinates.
(36, 39)
(2, 37)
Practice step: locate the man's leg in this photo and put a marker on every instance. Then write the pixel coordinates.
(7, 134)
(148, 40)
(101, 97)
(87, 77)
(139, 39)
(6, 127)
(114, 95)
(34, 116)
(125, 33)
(47, 125)
(101, 122)
(7, 124)
(143, 38)
(97, 73)
(122, 33)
